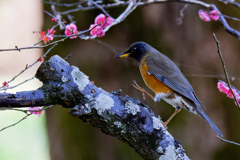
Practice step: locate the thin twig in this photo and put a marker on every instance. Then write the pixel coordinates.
(225, 24)
(231, 2)
(181, 15)
(26, 112)
(64, 4)
(224, 140)
(100, 7)
(49, 50)
(211, 76)
(229, 29)
(36, 47)
(68, 56)
(132, 5)
(122, 3)
(16, 85)
(29, 114)
(27, 67)
(225, 70)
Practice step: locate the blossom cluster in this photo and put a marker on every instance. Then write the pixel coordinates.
(224, 88)
(214, 15)
(33, 110)
(71, 29)
(101, 22)
(47, 37)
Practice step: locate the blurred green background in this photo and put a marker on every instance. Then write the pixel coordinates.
(190, 45)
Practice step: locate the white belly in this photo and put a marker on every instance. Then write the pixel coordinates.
(175, 100)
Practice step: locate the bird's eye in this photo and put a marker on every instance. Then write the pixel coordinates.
(133, 49)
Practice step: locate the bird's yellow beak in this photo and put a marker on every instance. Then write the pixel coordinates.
(122, 55)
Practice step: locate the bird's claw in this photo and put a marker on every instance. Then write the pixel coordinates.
(135, 85)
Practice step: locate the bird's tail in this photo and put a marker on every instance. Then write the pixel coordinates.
(202, 114)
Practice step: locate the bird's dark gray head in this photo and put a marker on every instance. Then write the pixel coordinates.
(137, 51)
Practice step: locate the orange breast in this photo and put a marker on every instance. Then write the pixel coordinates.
(153, 83)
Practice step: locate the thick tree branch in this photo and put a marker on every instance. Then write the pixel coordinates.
(122, 117)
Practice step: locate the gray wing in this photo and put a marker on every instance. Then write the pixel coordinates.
(162, 68)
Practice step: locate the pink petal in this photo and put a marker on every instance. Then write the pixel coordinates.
(204, 16)
(39, 113)
(94, 30)
(71, 29)
(52, 32)
(100, 33)
(214, 15)
(100, 19)
(109, 21)
(98, 30)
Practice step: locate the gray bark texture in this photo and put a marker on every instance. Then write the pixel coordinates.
(121, 117)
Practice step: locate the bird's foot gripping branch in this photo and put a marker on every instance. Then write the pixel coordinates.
(122, 117)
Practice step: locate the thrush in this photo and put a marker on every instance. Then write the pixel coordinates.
(166, 80)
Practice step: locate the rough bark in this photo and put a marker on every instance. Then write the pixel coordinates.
(124, 118)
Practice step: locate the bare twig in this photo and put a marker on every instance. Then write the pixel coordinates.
(27, 67)
(122, 3)
(24, 111)
(64, 4)
(100, 7)
(211, 76)
(224, 69)
(68, 56)
(232, 2)
(225, 24)
(224, 140)
(49, 50)
(181, 14)
(29, 114)
(2, 88)
(38, 47)
(56, 14)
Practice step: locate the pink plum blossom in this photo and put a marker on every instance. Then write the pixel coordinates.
(223, 87)
(214, 15)
(100, 19)
(100, 22)
(109, 21)
(51, 32)
(39, 113)
(71, 29)
(47, 38)
(42, 34)
(204, 15)
(97, 30)
(230, 95)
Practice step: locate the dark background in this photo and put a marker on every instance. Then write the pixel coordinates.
(190, 45)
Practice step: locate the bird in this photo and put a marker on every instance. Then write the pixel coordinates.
(166, 80)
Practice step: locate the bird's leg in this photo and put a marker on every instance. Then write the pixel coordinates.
(177, 110)
(135, 85)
